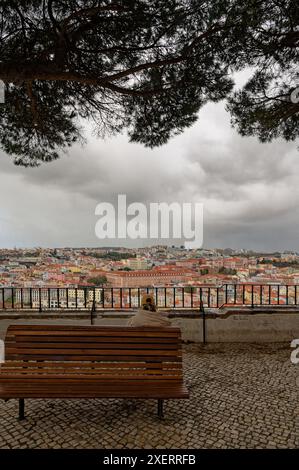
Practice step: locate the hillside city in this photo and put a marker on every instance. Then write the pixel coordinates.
(86, 271)
(151, 266)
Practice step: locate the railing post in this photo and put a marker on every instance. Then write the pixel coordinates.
(22, 303)
(40, 300)
(202, 311)
(103, 296)
(252, 296)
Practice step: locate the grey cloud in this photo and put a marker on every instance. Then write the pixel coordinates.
(249, 190)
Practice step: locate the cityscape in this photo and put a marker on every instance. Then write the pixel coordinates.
(149, 266)
(117, 277)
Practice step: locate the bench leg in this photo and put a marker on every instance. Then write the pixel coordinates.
(21, 409)
(160, 408)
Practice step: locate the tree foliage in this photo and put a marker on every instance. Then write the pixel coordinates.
(268, 105)
(98, 280)
(145, 66)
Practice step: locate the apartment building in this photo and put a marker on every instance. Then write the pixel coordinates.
(148, 278)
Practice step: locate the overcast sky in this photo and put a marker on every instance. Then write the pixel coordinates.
(250, 190)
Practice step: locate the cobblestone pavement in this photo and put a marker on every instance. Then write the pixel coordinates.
(241, 396)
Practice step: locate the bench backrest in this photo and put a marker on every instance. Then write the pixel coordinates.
(130, 346)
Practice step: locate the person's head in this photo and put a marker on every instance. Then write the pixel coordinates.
(148, 303)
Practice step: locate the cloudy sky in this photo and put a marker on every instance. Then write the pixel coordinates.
(250, 190)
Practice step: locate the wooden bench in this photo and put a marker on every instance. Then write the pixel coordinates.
(54, 361)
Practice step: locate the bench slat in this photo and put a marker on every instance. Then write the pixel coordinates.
(94, 365)
(90, 364)
(99, 352)
(115, 346)
(35, 377)
(57, 357)
(124, 331)
(94, 339)
(87, 329)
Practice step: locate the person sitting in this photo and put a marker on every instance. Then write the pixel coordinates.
(148, 314)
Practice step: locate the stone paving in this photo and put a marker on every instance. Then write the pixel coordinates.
(241, 396)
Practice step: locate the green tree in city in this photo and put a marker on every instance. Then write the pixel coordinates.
(228, 271)
(204, 271)
(144, 66)
(98, 280)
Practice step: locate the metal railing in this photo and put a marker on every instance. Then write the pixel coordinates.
(168, 297)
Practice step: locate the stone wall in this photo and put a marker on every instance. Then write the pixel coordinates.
(230, 326)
